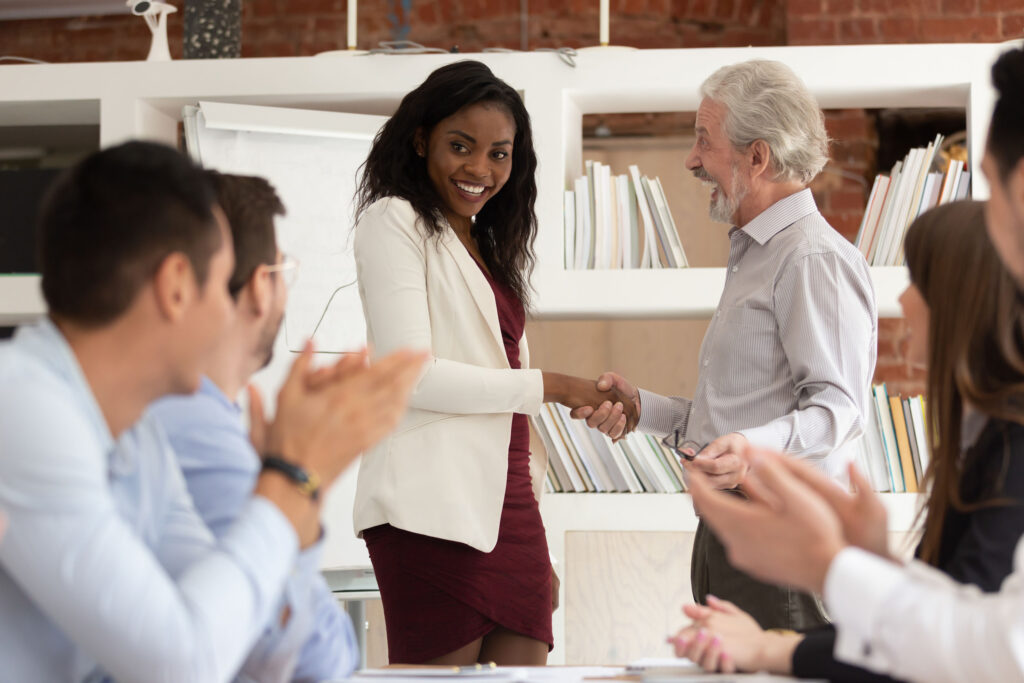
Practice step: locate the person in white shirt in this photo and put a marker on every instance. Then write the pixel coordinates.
(107, 571)
(908, 620)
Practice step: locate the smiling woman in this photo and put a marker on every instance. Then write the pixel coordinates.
(448, 506)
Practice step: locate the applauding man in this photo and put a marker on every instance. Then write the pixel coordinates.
(220, 464)
(789, 355)
(106, 569)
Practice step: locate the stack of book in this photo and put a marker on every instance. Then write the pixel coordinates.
(913, 187)
(620, 221)
(894, 452)
(583, 460)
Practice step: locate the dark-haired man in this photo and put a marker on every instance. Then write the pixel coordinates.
(910, 621)
(106, 569)
(217, 458)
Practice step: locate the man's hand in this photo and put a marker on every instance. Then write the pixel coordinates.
(862, 514)
(328, 417)
(722, 461)
(786, 534)
(608, 418)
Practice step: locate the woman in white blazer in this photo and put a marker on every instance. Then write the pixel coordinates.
(448, 504)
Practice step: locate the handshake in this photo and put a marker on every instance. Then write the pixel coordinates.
(610, 404)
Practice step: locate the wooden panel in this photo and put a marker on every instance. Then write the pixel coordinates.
(376, 635)
(623, 593)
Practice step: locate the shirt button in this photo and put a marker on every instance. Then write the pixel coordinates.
(735, 269)
(705, 363)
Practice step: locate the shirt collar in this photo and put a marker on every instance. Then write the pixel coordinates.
(47, 343)
(780, 216)
(207, 387)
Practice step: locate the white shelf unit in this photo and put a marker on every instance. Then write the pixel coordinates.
(144, 100)
(140, 99)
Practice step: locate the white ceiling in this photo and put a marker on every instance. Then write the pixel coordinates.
(41, 9)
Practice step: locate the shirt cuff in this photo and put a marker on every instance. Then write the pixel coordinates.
(765, 436)
(308, 561)
(858, 587)
(658, 414)
(265, 541)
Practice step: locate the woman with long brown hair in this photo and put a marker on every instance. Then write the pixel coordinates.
(966, 325)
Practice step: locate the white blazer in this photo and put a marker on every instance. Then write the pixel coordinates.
(442, 472)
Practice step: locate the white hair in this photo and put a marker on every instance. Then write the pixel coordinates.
(765, 100)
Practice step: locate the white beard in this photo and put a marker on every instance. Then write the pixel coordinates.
(725, 209)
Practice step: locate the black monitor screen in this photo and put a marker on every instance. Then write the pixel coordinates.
(20, 194)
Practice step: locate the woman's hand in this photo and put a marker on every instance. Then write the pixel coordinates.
(579, 393)
(724, 638)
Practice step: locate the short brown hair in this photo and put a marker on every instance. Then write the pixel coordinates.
(250, 204)
(108, 222)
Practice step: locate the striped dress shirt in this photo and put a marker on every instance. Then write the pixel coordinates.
(788, 358)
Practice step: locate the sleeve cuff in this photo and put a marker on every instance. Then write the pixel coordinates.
(658, 414)
(858, 586)
(765, 436)
(307, 562)
(534, 393)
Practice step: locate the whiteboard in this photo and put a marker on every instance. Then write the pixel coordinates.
(312, 158)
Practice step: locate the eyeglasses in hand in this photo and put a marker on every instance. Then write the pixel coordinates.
(687, 449)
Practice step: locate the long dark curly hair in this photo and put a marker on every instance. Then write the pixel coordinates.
(506, 227)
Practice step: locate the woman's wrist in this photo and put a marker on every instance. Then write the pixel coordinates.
(555, 387)
(776, 652)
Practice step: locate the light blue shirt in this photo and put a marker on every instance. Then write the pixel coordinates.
(106, 568)
(220, 468)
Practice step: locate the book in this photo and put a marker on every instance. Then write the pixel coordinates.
(632, 482)
(920, 431)
(558, 459)
(892, 456)
(584, 230)
(876, 249)
(587, 453)
(601, 445)
(569, 228)
(963, 185)
(912, 438)
(869, 223)
(876, 469)
(906, 461)
(630, 447)
(570, 450)
(661, 235)
(650, 257)
(627, 235)
(599, 215)
(661, 203)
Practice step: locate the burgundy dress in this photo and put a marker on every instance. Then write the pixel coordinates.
(440, 595)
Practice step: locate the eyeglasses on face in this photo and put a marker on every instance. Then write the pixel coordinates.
(288, 266)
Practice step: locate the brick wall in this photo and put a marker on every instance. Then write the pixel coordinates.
(834, 22)
(274, 28)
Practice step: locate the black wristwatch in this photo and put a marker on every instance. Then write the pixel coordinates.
(308, 482)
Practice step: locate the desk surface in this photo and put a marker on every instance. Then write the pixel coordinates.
(553, 674)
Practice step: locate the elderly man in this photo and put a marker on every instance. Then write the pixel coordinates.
(910, 620)
(788, 357)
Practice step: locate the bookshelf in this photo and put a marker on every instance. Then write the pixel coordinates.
(144, 100)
